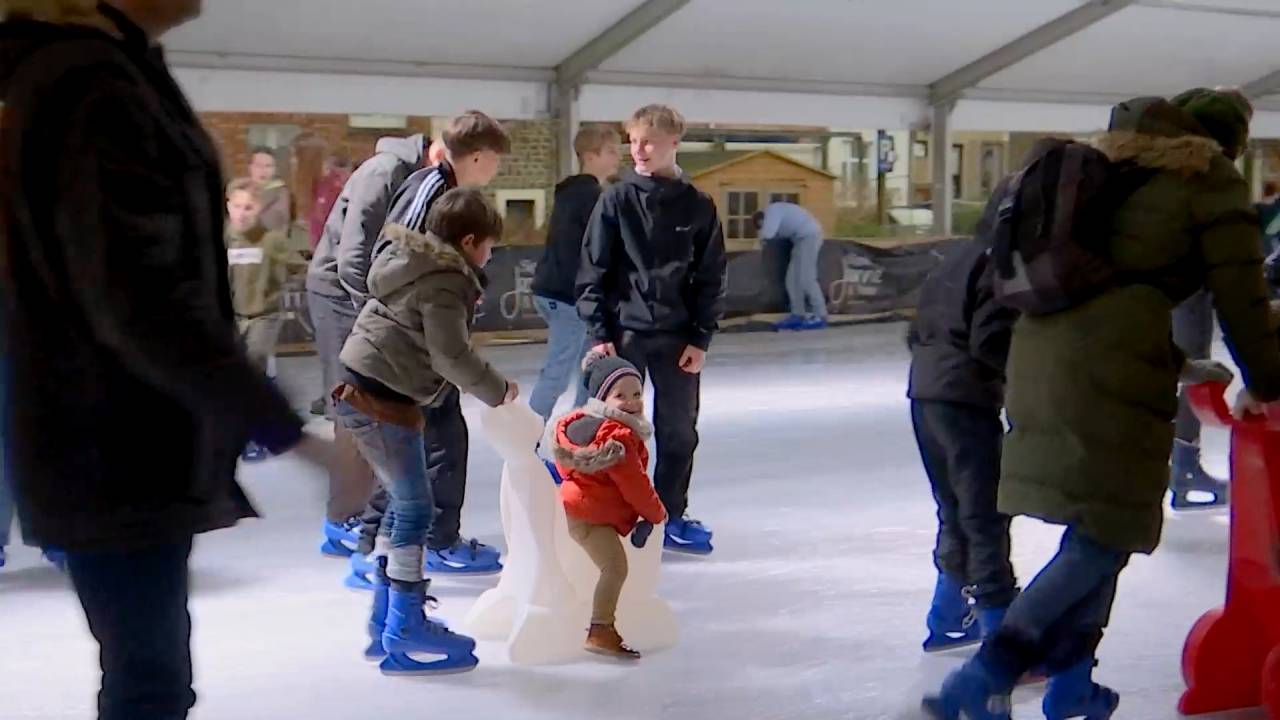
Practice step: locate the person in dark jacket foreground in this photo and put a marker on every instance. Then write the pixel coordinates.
(116, 291)
(959, 342)
(650, 290)
(1093, 393)
(554, 282)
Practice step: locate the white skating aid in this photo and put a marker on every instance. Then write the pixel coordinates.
(542, 604)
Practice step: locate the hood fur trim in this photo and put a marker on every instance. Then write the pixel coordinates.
(637, 423)
(445, 255)
(60, 12)
(1186, 155)
(590, 459)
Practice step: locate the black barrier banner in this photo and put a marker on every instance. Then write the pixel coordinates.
(858, 278)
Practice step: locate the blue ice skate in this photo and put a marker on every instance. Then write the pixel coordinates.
(341, 539)
(1072, 693)
(56, 557)
(686, 535)
(362, 571)
(814, 323)
(1187, 475)
(555, 472)
(253, 452)
(952, 621)
(790, 322)
(2, 558)
(968, 693)
(377, 617)
(410, 632)
(465, 557)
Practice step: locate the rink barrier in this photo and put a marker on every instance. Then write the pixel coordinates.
(1231, 659)
(864, 280)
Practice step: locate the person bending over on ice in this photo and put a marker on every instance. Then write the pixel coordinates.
(600, 452)
(410, 347)
(792, 224)
(1093, 390)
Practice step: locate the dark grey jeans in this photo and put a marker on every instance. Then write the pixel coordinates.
(1193, 333)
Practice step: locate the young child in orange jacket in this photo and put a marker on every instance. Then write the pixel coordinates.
(600, 452)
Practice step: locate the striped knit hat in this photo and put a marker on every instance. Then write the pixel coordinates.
(601, 372)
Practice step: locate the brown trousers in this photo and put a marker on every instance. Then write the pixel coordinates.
(351, 480)
(604, 547)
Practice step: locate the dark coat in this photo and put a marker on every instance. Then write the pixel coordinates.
(131, 396)
(557, 273)
(1093, 390)
(345, 250)
(960, 336)
(654, 261)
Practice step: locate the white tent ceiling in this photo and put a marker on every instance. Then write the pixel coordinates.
(841, 63)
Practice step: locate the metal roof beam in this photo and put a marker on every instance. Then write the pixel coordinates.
(634, 24)
(951, 86)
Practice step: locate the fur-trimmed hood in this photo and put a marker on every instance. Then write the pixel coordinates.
(578, 443)
(1186, 155)
(408, 256)
(1156, 134)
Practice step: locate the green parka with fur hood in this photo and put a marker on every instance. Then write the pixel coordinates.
(1093, 390)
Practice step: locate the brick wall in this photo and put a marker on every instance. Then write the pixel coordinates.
(231, 130)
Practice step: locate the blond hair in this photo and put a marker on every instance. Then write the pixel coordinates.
(244, 185)
(594, 138)
(663, 118)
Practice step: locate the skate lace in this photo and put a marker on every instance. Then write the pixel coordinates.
(967, 592)
(690, 522)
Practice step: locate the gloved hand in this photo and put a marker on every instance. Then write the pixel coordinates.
(1195, 372)
(640, 535)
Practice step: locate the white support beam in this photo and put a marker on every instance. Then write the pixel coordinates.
(619, 35)
(565, 106)
(940, 155)
(949, 88)
(753, 84)
(1266, 85)
(1207, 9)
(339, 66)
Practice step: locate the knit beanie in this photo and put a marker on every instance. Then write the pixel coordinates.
(601, 372)
(1224, 113)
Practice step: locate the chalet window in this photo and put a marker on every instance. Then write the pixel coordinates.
(742, 205)
(786, 197)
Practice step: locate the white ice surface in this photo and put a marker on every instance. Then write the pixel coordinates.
(811, 607)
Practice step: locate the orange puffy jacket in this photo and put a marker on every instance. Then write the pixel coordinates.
(602, 459)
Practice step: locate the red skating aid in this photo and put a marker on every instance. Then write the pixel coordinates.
(1231, 659)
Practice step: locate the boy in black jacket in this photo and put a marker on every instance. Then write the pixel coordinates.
(554, 283)
(959, 343)
(650, 290)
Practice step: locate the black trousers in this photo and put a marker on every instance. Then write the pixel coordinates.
(676, 397)
(447, 442)
(1193, 334)
(960, 446)
(136, 605)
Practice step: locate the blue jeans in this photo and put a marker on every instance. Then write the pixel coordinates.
(136, 605)
(567, 344)
(399, 459)
(1057, 622)
(6, 508)
(803, 288)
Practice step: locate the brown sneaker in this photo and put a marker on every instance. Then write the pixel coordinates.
(605, 640)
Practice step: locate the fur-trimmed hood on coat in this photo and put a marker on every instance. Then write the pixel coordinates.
(1156, 134)
(410, 255)
(577, 444)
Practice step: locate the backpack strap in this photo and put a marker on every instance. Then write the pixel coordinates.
(1005, 224)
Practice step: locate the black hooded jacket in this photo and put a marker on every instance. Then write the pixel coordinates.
(557, 272)
(960, 337)
(130, 395)
(653, 261)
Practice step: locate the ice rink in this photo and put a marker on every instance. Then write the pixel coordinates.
(812, 606)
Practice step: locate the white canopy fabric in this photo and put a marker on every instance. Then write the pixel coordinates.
(841, 63)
